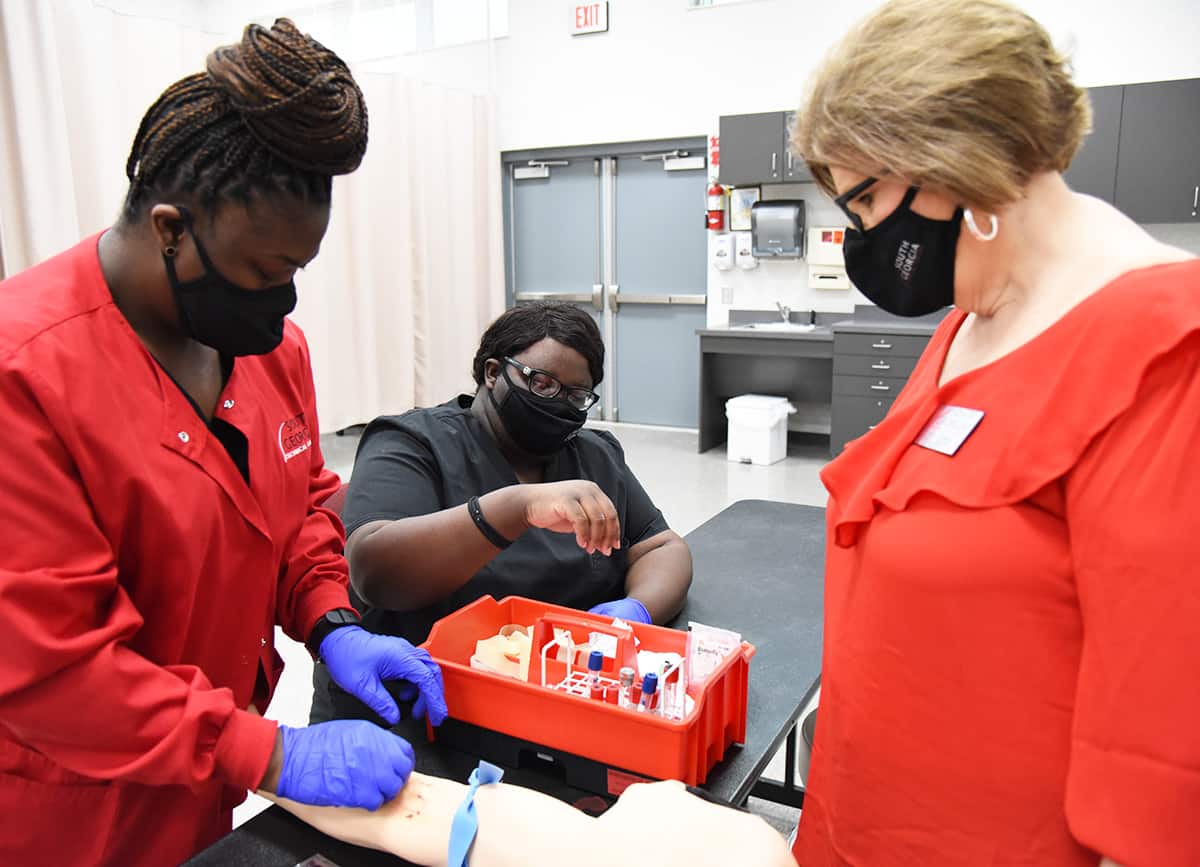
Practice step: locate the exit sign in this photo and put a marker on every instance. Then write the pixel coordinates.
(589, 18)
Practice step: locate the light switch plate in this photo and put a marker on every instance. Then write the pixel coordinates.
(726, 294)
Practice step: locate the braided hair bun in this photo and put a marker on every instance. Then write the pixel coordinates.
(276, 113)
(295, 96)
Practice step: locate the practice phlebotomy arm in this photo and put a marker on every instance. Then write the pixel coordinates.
(656, 823)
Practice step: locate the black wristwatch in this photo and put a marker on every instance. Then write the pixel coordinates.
(335, 619)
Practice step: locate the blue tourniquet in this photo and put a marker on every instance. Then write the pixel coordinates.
(466, 823)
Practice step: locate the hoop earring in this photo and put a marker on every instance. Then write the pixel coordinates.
(169, 251)
(970, 218)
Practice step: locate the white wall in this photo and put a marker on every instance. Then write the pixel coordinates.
(784, 281)
(665, 70)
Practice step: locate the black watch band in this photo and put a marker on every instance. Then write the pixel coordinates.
(335, 619)
(489, 532)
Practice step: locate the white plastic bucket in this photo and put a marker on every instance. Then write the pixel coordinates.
(757, 428)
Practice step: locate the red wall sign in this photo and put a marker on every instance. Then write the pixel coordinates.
(589, 18)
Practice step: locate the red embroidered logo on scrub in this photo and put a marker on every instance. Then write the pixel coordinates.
(294, 438)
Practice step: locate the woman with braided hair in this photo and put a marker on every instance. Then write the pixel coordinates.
(162, 485)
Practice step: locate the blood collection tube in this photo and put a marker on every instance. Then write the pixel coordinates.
(625, 698)
(649, 688)
(595, 664)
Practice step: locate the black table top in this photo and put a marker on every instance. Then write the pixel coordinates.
(759, 570)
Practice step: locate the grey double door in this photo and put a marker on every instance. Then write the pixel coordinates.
(619, 230)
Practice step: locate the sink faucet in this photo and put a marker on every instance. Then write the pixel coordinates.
(785, 313)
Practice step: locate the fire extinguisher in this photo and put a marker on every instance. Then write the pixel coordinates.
(716, 207)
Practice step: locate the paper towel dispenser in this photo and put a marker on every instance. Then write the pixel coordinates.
(777, 229)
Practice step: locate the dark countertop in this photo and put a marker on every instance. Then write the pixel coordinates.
(864, 320)
(875, 321)
(759, 570)
(820, 334)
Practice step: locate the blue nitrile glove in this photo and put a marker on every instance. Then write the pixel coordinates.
(628, 609)
(344, 763)
(359, 662)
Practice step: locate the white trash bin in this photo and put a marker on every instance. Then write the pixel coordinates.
(757, 428)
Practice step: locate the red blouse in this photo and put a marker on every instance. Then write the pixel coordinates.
(1011, 669)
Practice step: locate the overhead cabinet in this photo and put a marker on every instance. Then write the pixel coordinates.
(1158, 168)
(1094, 169)
(1143, 154)
(755, 150)
(795, 170)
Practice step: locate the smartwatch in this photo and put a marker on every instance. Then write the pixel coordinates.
(331, 620)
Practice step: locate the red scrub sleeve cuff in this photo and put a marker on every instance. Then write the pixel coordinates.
(244, 749)
(325, 597)
(1133, 809)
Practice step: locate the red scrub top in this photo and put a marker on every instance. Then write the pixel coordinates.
(1011, 668)
(141, 577)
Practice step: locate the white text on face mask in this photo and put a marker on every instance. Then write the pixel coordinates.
(906, 259)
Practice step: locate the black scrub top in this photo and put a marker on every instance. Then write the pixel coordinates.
(427, 460)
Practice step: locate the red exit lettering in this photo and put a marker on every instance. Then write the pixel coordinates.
(587, 16)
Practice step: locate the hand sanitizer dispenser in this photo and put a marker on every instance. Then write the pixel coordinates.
(777, 228)
(721, 249)
(744, 255)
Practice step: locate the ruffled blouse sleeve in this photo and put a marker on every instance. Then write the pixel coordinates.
(1133, 513)
(1097, 421)
(1044, 404)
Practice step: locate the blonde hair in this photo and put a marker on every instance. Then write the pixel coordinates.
(968, 97)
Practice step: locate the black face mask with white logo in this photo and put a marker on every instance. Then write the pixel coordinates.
(219, 313)
(539, 425)
(905, 264)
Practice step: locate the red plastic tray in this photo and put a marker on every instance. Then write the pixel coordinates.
(646, 744)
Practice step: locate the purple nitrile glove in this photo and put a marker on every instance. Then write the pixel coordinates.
(343, 763)
(628, 609)
(360, 661)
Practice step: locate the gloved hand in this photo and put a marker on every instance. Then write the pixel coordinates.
(344, 763)
(628, 609)
(359, 662)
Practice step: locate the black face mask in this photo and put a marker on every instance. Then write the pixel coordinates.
(539, 425)
(219, 313)
(905, 264)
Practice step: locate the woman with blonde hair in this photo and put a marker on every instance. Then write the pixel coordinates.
(1010, 661)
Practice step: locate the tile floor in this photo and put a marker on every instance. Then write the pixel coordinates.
(689, 488)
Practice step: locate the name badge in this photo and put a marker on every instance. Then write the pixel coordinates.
(949, 429)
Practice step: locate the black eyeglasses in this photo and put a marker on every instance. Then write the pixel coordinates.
(843, 201)
(547, 385)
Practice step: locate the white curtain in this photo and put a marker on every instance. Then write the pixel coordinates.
(411, 270)
(74, 82)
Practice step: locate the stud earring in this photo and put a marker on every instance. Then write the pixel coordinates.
(169, 251)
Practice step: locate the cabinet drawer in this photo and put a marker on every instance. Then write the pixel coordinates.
(853, 417)
(878, 366)
(878, 387)
(900, 345)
